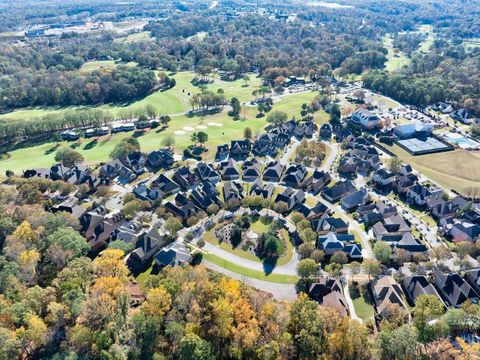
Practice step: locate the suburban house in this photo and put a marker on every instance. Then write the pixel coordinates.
(205, 195)
(463, 116)
(263, 190)
(391, 228)
(312, 213)
(383, 177)
(207, 173)
(373, 213)
(403, 183)
(240, 149)
(365, 118)
(251, 170)
(223, 151)
(229, 170)
(294, 175)
(332, 243)
(387, 292)
(453, 288)
(442, 107)
(325, 224)
(232, 190)
(416, 285)
(135, 161)
(144, 193)
(441, 209)
(329, 293)
(166, 186)
(337, 191)
(160, 159)
(273, 171)
(182, 207)
(473, 278)
(317, 181)
(353, 200)
(176, 254)
(464, 231)
(326, 131)
(145, 247)
(420, 194)
(116, 169)
(185, 178)
(291, 198)
(70, 207)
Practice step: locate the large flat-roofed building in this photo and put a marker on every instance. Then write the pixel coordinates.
(424, 145)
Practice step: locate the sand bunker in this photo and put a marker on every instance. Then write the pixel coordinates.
(188, 128)
(202, 127)
(214, 124)
(179, 132)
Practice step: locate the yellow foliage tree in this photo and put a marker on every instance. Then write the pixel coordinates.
(110, 263)
(158, 302)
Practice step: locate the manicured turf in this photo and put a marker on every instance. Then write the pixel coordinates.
(275, 278)
(456, 169)
(107, 64)
(43, 155)
(363, 310)
(135, 37)
(396, 60)
(172, 101)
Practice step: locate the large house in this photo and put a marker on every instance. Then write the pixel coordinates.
(332, 243)
(273, 171)
(339, 190)
(386, 292)
(453, 288)
(365, 118)
(416, 285)
(329, 293)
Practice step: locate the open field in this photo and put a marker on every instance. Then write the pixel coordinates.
(135, 37)
(103, 64)
(456, 169)
(396, 60)
(221, 130)
(425, 45)
(275, 278)
(172, 101)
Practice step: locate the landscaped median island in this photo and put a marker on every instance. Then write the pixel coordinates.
(253, 238)
(227, 265)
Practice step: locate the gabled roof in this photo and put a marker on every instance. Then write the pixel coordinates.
(416, 285)
(455, 289)
(386, 291)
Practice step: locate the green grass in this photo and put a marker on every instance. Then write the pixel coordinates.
(90, 66)
(42, 155)
(259, 228)
(172, 101)
(396, 59)
(455, 169)
(135, 37)
(142, 277)
(275, 278)
(363, 310)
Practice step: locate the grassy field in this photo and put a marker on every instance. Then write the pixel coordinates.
(172, 101)
(90, 66)
(135, 37)
(456, 169)
(275, 278)
(396, 60)
(425, 45)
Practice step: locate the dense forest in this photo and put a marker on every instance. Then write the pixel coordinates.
(346, 40)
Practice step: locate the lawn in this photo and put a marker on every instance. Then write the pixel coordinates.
(225, 130)
(456, 169)
(90, 66)
(259, 228)
(363, 310)
(172, 101)
(220, 127)
(135, 37)
(275, 278)
(396, 59)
